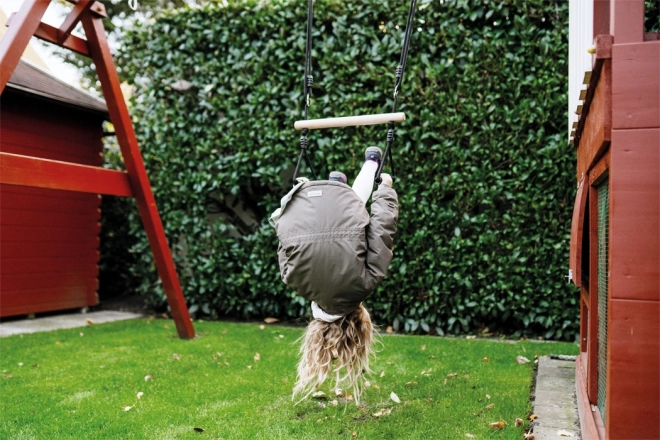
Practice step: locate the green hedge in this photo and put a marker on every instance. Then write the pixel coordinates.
(483, 170)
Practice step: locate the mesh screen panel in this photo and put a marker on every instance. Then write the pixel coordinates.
(603, 278)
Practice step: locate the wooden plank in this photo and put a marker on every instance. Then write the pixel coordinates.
(591, 423)
(636, 85)
(592, 343)
(43, 173)
(17, 37)
(47, 200)
(46, 235)
(28, 218)
(44, 265)
(577, 227)
(350, 121)
(36, 144)
(50, 34)
(87, 250)
(627, 20)
(75, 280)
(44, 300)
(72, 19)
(635, 208)
(107, 73)
(633, 378)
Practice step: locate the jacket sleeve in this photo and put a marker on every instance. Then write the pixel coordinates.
(380, 234)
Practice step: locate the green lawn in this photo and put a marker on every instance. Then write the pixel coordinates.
(78, 384)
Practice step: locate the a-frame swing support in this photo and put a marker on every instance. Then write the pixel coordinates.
(43, 173)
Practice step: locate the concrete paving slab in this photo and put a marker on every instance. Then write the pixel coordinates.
(57, 322)
(554, 401)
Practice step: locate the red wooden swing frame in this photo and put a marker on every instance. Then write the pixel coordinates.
(43, 173)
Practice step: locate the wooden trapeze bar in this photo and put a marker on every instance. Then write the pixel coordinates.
(350, 121)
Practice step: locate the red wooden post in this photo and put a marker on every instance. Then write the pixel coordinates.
(17, 37)
(24, 25)
(107, 72)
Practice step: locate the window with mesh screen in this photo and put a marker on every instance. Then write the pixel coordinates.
(603, 284)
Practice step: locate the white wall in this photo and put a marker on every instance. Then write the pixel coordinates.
(580, 38)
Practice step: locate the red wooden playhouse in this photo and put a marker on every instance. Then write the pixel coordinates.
(615, 236)
(41, 174)
(50, 237)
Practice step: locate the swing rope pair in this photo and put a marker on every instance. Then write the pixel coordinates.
(390, 118)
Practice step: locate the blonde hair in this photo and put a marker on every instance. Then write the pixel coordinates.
(341, 348)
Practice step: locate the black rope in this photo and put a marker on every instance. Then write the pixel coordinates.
(308, 80)
(397, 86)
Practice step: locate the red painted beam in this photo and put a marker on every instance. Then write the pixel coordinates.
(44, 173)
(50, 34)
(121, 119)
(18, 35)
(72, 19)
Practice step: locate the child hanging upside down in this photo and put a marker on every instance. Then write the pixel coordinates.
(334, 254)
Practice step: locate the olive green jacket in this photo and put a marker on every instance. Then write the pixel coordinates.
(331, 251)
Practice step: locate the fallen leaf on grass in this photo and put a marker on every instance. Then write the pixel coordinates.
(7, 376)
(199, 429)
(271, 320)
(319, 395)
(334, 402)
(382, 412)
(488, 396)
(491, 406)
(148, 377)
(126, 408)
(486, 360)
(20, 364)
(521, 360)
(82, 334)
(261, 327)
(499, 424)
(367, 384)
(382, 374)
(389, 329)
(338, 392)
(471, 337)
(257, 357)
(423, 347)
(533, 417)
(176, 357)
(89, 321)
(376, 387)
(216, 355)
(519, 422)
(469, 435)
(411, 383)
(452, 375)
(394, 397)
(529, 436)
(431, 356)
(249, 367)
(140, 394)
(564, 433)
(355, 434)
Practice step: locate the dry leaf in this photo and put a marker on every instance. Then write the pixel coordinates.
(271, 320)
(376, 387)
(319, 395)
(349, 397)
(471, 337)
(564, 433)
(491, 406)
(148, 377)
(423, 347)
(382, 412)
(382, 374)
(499, 424)
(521, 359)
(89, 321)
(389, 329)
(445, 382)
(452, 375)
(102, 366)
(394, 397)
(281, 336)
(82, 334)
(469, 435)
(466, 376)
(533, 417)
(261, 327)
(140, 394)
(126, 408)
(431, 357)
(7, 376)
(249, 367)
(529, 436)
(176, 357)
(334, 402)
(411, 383)
(257, 357)
(199, 429)
(57, 343)
(20, 364)
(367, 384)
(519, 422)
(338, 392)
(488, 396)
(355, 435)
(486, 360)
